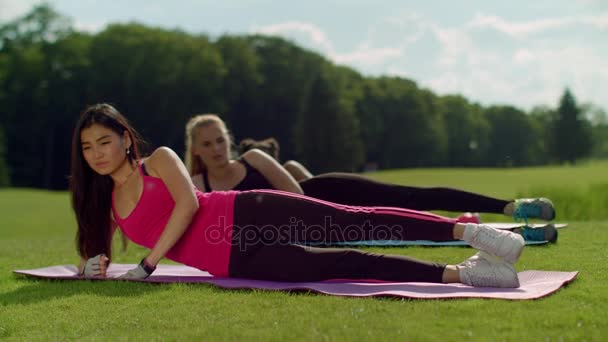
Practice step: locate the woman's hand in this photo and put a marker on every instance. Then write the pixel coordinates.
(142, 271)
(96, 266)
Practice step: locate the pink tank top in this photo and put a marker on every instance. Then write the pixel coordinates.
(207, 240)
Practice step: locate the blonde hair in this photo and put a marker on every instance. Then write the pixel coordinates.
(193, 163)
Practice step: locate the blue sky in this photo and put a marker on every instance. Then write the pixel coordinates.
(494, 52)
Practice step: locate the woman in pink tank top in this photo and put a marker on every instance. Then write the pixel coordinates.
(255, 234)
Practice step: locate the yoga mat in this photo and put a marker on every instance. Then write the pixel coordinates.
(398, 243)
(534, 284)
(511, 225)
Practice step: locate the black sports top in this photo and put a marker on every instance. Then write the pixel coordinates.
(253, 179)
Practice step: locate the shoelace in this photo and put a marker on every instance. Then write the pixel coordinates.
(533, 234)
(524, 210)
(492, 240)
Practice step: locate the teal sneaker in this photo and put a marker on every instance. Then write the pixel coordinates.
(527, 208)
(545, 233)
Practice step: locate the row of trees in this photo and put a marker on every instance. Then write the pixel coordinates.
(329, 117)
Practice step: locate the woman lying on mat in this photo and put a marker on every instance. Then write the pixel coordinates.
(209, 163)
(250, 234)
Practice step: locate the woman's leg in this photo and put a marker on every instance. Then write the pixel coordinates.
(280, 216)
(257, 256)
(288, 262)
(353, 189)
(274, 256)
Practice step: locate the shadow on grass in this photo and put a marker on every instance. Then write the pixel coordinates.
(40, 290)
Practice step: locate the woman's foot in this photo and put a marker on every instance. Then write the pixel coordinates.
(501, 243)
(545, 233)
(487, 271)
(527, 208)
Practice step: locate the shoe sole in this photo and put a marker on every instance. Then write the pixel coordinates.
(551, 213)
(517, 248)
(551, 233)
(498, 260)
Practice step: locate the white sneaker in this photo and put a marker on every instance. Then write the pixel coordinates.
(485, 270)
(498, 242)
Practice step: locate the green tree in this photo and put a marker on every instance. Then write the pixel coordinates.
(542, 118)
(512, 137)
(40, 25)
(467, 131)
(372, 122)
(158, 78)
(241, 84)
(4, 179)
(572, 135)
(598, 119)
(402, 127)
(288, 72)
(327, 134)
(32, 79)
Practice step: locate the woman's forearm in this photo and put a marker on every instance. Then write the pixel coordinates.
(81, 265)
(176, 226)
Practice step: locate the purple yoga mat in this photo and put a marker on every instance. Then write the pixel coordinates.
(534, 284)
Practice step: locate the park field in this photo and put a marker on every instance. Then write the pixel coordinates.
(37, 229)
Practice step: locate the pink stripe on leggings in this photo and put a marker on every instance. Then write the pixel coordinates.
(403, 212)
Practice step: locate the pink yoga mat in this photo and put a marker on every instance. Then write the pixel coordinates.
(534, 284)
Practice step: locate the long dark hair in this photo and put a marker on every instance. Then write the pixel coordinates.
(92, 192)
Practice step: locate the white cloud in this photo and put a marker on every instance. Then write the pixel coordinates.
(527, 28)
(410, 24)
(363, 55)
(10, 9)
(315, 34)
(517, 29)
(367, 55)
(600, 21)
(531, 76)
(523, 56)
(523, 75)
(588, 2)
(455, 43)
(89, 27)
(577, 66)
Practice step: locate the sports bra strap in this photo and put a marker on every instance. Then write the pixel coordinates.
(248, 170)
(248, 167)
(143, 169)
(206, 181)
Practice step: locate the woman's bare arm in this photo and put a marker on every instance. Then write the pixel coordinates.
(273, 171)
(165, 164)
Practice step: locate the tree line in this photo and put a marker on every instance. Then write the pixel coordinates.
(329, 117)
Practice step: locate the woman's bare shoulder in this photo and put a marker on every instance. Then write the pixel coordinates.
(161, 158)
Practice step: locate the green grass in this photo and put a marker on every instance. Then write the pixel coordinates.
(578, 192)
(37, 230)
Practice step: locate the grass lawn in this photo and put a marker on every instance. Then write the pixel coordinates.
(37, 230)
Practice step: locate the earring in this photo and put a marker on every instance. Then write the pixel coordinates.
(128, 151)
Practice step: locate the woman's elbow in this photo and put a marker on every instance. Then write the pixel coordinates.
(298, 190)
(190, 207)
(194, 205)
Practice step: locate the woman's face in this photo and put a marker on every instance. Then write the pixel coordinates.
(103, 149)
(212, 145)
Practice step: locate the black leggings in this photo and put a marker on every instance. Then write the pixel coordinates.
(352, 189)
(269, 225)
